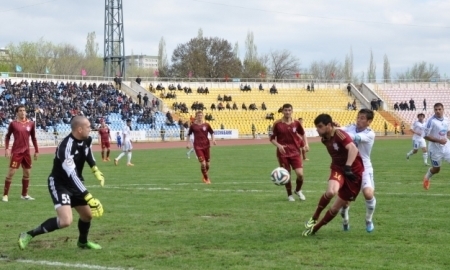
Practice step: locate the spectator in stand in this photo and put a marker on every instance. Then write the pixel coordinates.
(138, 80)
(412, 105)
(261, 87)
(273, 90)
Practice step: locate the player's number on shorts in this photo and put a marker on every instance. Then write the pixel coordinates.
(14, 164)
(65, 199)
(337, 176)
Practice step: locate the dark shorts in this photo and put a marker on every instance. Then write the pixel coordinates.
(348, 190)
(294, 162)
(62, 195)
(18, 159)
(106, 144)
(203, 154)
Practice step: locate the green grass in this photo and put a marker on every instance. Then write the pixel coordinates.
(158, 215)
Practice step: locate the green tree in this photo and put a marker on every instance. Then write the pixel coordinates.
(421, 71)
(163, 64)
(252, 65)
(205, 58)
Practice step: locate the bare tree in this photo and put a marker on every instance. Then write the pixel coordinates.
(92, 62)
(68, 60)
(163, 65)
(236, 50)
(327, 71)
(372, 71)
(348, 67)
(200, 33)
(205, 58)
(91, 48)
(283, 64)
(386, 70)
(420, 72)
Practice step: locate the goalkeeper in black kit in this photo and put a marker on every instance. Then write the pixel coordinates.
(66, 186)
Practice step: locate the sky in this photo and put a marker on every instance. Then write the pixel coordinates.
(406, 31)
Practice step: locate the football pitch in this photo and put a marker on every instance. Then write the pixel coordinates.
(159, 215)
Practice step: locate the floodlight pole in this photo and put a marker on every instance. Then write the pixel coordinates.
(114, 41)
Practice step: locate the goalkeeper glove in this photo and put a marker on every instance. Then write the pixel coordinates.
(99, 175)
(95, 205)
(349, 174)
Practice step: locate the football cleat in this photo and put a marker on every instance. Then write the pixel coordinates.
(107, 159)
(130, 164)
(426, 183)
(345, 226)
(309, 232)
(310, 223)
(89, 245)
(206, 181)
(407, 156)
(300, 195)
(291, 198)
(24, 239)
(369, 226)
(27, 198)
(116, 161)
(5, 198)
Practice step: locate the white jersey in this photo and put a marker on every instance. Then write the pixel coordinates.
(437, 128)
(364, 140)
(126, 134)
(418, 127)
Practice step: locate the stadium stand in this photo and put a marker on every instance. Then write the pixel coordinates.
(404, 92)
(307, 105)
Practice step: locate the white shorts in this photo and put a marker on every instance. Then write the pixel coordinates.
(367, 179)
(437, 155)
(419, 143)
(127, 146)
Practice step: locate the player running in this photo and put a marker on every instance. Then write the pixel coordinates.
(346, 172)
(287, 135)
(436, 132)
(418, 129)
(127, 146)
(105, 138)
(22, 129)
(200, 130)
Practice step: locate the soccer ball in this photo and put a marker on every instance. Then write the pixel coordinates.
(280, 176)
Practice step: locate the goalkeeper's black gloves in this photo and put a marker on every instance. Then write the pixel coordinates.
(349, 174)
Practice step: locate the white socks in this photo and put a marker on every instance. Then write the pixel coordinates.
(129, 157)
(120, 156)
(370, 208)
(425, 157)
(190, 151)
(429, 174)
(345, 211)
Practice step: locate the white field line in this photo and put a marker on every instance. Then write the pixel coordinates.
(61, 264)
(153, 187)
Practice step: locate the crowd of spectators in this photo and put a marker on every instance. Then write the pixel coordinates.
(403, 106)
(51, 103)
